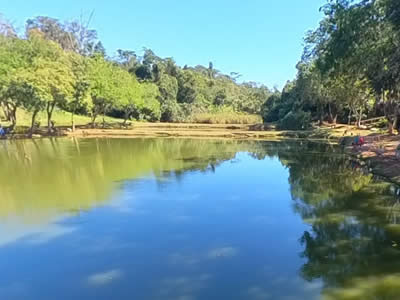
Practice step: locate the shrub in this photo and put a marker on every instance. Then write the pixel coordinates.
(298, 120)
(383, 123)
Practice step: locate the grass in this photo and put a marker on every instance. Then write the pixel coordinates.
(60, 117)
(226, 118)
(63, 118)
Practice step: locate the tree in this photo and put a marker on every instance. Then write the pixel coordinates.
(128, 92)
(52, 73)
(52, 30)
(168, 87)
(86, 42)
(81, 89)
(6, 28)
(66, 67)
(359, 40)
(187, 87)
(127, 59)
(102, 88)
(15, 57)
(151, 110)
(220, 98)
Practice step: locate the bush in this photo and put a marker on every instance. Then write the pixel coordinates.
(298, 120)
(383, 123)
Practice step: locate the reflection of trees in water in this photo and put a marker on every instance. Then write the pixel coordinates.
(54, 175)
(354, 221)
(352, 242)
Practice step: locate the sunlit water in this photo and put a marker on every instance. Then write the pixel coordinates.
(193, 219)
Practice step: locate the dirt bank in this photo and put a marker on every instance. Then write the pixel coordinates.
(379, 152)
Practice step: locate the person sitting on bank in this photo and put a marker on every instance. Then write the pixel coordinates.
(359, 141)
(2, 131)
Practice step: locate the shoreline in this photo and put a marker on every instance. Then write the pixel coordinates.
(173, 130)
(196, 130)
(378, 152)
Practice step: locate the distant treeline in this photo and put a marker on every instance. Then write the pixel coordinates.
(350, 68)
(64, 65)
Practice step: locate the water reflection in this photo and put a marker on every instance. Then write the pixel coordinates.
(352, 242)
(194, 219)
(49, 176)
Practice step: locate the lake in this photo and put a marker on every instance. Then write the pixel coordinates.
(190, 219)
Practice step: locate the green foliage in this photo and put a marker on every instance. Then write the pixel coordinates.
(298, 120)
(151, 109)
(270, 108)
(350, 67)
(278, 105)
(62, 65)
(351, 64)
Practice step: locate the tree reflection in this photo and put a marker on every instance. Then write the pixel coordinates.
(42, 178)
(354, 237)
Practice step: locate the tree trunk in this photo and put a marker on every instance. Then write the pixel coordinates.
(321, 115)
(104, 115)
(13, 115)
(126, 115)
(72, 121)
(94, 119)
(388, 110)
(50, 108)
(390, 126)
(33, 122)
(6, 111)
(349, 117)
(332, 115)
(94, 116)
(359, 118)
(395, 120)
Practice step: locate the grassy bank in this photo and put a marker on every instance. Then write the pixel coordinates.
(63, 118)
(60, 118)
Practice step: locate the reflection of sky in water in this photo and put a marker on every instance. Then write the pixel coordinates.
(231, 234)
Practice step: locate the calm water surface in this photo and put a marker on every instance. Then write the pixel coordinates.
(193, 219)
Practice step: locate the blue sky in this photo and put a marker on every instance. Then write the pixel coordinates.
(260, 39)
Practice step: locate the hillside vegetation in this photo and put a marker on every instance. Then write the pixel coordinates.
(63, 66)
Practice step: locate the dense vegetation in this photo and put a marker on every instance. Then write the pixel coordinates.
(55, 65)
(350, 68)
